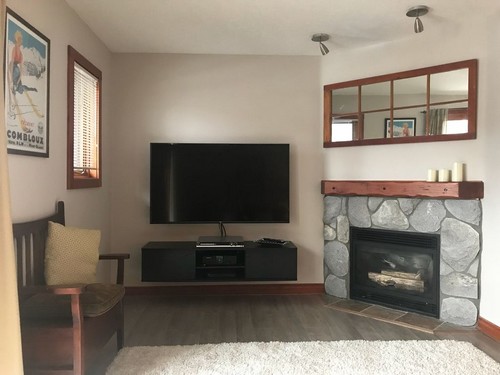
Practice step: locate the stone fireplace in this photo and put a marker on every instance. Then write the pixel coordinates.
(456, 222)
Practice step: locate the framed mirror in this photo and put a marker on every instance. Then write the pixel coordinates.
(437, 103)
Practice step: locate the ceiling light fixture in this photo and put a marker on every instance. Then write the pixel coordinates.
(416, 12)
(320, 38)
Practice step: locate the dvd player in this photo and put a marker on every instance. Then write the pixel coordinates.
(218, 244)
(224, 241)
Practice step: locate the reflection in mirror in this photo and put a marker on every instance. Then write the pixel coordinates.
(410, 91)
(437, 103)
(457, 122)
(345, 128)
(448, 86)
(417, 115)
(345, 100)
(448, 100)
(345, 124)
(376, 96)
(375, 124)
(448, 119)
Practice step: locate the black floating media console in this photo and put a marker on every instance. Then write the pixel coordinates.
(184, 261)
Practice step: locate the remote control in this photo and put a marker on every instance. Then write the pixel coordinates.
(271, 241)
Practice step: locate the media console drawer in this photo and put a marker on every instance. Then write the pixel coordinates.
(184, 261)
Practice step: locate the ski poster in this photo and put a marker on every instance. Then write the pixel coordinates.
(26, 80)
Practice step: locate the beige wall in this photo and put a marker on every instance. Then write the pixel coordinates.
(248, 99)
(37, 183)
(201, 98)
(477, 39)
(173, 98)
(489, 124)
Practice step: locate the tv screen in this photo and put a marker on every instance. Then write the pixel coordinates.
(228, 183)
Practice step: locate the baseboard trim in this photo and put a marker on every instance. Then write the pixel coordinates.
(488, 328)
(246, 289)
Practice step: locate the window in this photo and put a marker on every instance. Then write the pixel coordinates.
(346, 128)
(457, 122)
(342, 130)
(84, 122)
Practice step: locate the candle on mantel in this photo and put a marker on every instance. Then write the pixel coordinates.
(457, 173)
(444, 175)
(431, 175)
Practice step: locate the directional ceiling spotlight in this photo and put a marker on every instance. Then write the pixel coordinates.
(320, 38)
(416, 12)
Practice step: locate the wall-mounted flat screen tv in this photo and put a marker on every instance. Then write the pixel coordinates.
(219, 183)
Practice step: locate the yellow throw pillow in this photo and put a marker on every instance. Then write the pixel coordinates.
(71, 255)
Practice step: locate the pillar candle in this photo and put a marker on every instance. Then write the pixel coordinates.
(431, 175)
(457, 173)
(444, 175)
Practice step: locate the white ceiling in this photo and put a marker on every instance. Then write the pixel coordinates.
(263, 27)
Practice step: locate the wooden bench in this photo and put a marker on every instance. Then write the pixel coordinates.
(63, 328)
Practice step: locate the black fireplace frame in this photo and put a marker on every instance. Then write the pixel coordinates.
(426, 243)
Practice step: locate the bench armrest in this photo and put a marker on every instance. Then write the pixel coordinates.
(54, 289)
(73, 291)
(120, 258)
(116, 256)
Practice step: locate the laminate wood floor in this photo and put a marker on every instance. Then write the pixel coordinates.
(187, 320)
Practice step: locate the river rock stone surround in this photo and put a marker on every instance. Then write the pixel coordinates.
(457, 221)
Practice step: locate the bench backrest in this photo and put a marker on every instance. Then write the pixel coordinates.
(29, 246)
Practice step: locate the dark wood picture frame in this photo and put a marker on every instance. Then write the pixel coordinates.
(402, 127)
(26, 87)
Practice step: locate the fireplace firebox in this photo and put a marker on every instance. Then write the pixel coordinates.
(395, 269)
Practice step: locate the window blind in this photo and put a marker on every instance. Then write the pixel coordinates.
(86, 112)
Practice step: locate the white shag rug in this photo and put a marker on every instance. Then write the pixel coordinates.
(434, 357)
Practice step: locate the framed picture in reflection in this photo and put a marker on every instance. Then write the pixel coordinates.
(401, 127)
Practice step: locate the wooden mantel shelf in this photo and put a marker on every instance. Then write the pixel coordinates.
(407, 189)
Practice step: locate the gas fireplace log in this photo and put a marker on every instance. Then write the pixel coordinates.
(397, 282)
(403, 275)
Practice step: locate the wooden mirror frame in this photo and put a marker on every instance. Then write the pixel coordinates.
(472, 104)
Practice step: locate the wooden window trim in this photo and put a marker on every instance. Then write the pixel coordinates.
(74, 181)
(458, 114)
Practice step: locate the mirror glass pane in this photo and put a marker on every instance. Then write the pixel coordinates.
(345, 128)
(448, 119)
(345, 100)
(449, 86)
(410, 122)
(410, 91)
(374, 124)
(376, 96)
